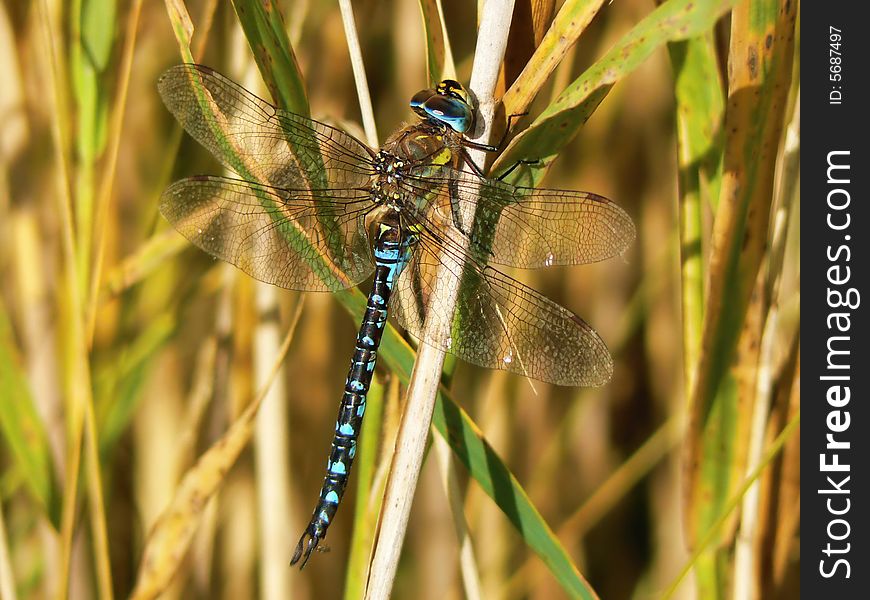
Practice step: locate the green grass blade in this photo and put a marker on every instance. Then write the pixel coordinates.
(366, 509)
(119, 382)
(571, 21)
(182, 27)
(559, 122)
(439, 57)
(93, 27)
(91, 56)
(22, 428)
(760, 71)
(700, 107)
(700, 134)
(264, 28)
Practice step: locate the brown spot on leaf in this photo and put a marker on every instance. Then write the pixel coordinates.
(752, 62)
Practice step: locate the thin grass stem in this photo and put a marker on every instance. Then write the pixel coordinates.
(104, 195)
(359, 72)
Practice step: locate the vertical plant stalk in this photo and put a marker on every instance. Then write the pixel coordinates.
(104, 195)
(78, 384)
(82, 167)
(759, 74)
(426, 376)
(271, 445)
(7, 577)
(746, 561)
(359, 72)
(710, 535)
(467, 564)
(90, 294)
(170, 537)
(760, 68)
(700, 106)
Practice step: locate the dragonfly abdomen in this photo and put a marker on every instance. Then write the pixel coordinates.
(392, 250)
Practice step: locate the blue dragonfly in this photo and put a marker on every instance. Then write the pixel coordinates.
(315, 209)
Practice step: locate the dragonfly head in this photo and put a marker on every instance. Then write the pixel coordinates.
(449, 103)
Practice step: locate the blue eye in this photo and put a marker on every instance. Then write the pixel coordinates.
(454, 113)
(448, 104)
(420, 98)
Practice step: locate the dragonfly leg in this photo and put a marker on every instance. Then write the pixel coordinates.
(468, 160)
(522, 161)
(497, 148)
(501, 143)
(479, 172)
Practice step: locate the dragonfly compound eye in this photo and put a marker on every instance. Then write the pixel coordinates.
(448, 104)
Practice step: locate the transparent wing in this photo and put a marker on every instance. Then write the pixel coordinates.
(531, 227)
(259, 141)
(499, 323)
(297, 239)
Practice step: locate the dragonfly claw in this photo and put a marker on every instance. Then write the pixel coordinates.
(307, 544)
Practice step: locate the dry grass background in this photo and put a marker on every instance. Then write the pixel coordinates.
(125, 353)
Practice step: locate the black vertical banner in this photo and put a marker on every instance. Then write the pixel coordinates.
(835, 361)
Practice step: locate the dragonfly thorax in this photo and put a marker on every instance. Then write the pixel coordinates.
(389, 166)
(386, 188)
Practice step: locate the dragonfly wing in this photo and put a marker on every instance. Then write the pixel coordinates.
(499, 323)
(291, 238)
(259, 141)
(531, 227)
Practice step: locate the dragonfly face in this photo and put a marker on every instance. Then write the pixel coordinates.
(449, 103)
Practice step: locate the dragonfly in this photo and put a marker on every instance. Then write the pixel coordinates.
(315, 209)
